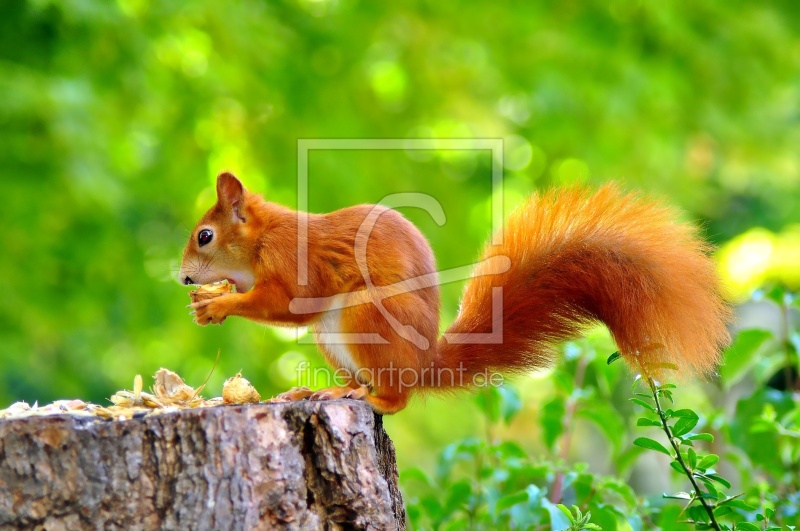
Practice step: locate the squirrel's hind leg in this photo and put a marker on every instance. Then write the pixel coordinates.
(388, 405)
(336, 392)
(384, 404)
(293, 395)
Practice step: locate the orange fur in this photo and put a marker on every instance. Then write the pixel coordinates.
(579, 258)
(576, 258)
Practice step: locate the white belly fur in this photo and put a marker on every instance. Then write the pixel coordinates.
(328, 331)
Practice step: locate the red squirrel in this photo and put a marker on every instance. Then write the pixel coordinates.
(568, 258)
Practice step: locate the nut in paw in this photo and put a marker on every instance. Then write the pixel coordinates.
(211, 311)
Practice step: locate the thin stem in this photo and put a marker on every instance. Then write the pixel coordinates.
(679, 458)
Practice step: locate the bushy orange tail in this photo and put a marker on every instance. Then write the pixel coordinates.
(578, 258)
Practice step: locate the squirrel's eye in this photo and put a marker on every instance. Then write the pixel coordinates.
(205, 236)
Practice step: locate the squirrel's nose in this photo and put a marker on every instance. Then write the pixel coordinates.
(188, 280)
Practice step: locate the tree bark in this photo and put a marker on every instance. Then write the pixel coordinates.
(300, 465)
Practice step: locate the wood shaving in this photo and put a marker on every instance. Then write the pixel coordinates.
(238, 390)
(169, 394)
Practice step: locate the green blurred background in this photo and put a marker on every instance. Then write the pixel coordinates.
(115, 117)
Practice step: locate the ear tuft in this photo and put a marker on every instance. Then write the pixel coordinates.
(230, 193)
(229, 188)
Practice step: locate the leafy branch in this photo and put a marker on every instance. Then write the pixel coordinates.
(686, 421)
(706, 502)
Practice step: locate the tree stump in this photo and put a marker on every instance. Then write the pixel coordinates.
(300, 465)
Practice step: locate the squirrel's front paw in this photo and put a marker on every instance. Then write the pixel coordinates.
(209, 311)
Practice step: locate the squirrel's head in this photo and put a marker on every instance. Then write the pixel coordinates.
(219, 247)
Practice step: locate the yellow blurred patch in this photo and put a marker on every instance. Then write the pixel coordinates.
(759, 256)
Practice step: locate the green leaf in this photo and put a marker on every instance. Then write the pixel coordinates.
(509, 449)
(458, 495)
(552, 420)
(558, 520)
(614, 357)
(567, 512)
(499, 403)
(708, 461)
(747, 526)
(464, 450)
(606, 418)
(636, 380)
(644, 404)
(700, 437)
(488, 402)
(684, 425)
(623, 490)
(510, 500)
(792, 418)
(722, 511)
(692, 458)
(777, 293)
(722, 481)
(643, 421)
(712, 493)
(698, 514)
(683, 413)
(713, 477)
(510, 403)
(459, 524)
(668, 396)
(737, 504)
(742, 355)
(678, 496)
(651, 444)
(432, 506)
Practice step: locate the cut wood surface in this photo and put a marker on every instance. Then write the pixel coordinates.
(300, 465)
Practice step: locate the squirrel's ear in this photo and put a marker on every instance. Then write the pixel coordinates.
(230, 194)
